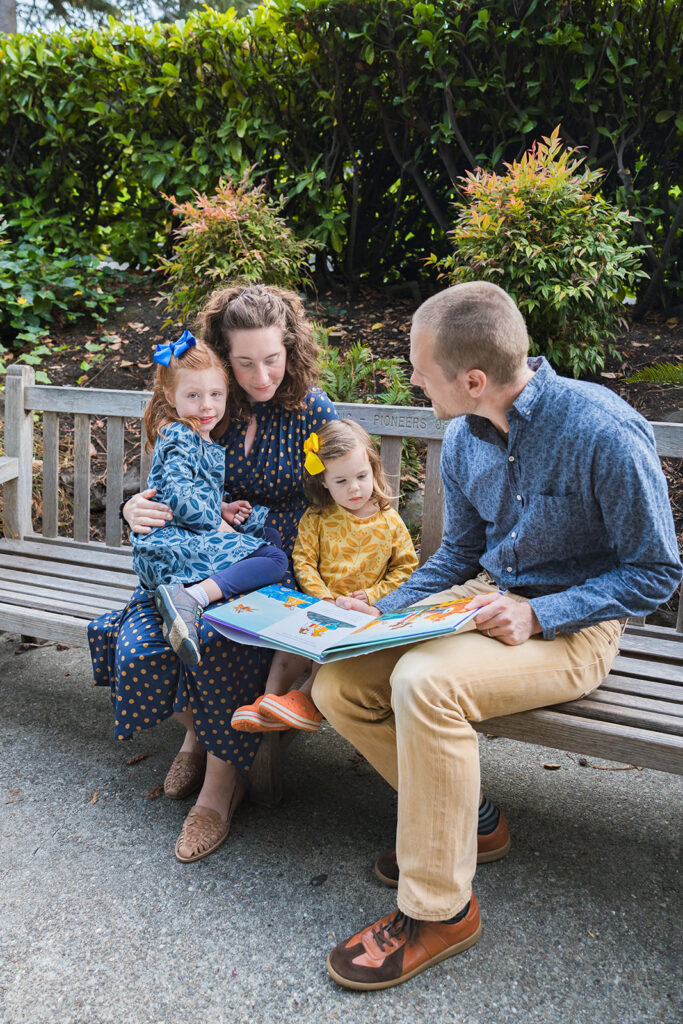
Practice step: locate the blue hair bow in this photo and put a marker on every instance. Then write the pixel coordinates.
(163, 353)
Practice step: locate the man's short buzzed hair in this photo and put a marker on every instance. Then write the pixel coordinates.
(476, 325)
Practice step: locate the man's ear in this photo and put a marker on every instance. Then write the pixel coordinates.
(475, 382)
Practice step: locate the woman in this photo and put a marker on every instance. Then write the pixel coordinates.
(273, 405)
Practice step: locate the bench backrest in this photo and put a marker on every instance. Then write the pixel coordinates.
(25, 401)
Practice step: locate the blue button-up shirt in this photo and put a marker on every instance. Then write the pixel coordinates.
(570, 510)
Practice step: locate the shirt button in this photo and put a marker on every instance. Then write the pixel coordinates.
(511, 458)
(509, 568)
(514, 533)
(519, 497)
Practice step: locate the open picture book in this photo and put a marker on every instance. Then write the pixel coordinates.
(286, 620)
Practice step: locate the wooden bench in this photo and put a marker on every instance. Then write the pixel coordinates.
(51, 585)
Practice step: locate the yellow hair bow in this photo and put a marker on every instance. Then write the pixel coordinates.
(313, 464)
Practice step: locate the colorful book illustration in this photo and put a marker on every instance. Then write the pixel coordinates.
(286, 620)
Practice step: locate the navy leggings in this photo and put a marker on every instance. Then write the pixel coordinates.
(266, 565)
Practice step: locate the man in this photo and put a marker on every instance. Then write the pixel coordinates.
(557, 523)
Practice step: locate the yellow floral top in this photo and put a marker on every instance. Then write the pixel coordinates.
(336, 553)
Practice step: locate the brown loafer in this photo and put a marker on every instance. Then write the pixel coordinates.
(186, 774)
(204, 830)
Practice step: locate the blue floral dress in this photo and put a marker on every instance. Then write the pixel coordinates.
(188, 474)
(148, 682)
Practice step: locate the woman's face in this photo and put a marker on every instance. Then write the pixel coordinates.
(258, 359)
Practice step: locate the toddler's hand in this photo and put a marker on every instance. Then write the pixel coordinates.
(235, 512)
(354, 605)
(360, 595)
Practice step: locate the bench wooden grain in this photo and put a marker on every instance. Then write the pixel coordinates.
(52, 584)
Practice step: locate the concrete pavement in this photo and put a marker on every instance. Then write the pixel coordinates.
(100, 924)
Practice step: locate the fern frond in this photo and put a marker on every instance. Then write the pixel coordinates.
(660, 373)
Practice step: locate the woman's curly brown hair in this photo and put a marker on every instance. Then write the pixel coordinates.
(252, 307)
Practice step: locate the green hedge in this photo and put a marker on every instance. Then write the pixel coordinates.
(362, 113)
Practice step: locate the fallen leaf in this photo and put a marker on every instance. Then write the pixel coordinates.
(125, 362)
(552, 767)
(376, 327)
(590, 933)
(612, 376)
(94, 797)
(144, 366)
(155, 792)
(14, 792)
(138, 326)
(136, 758)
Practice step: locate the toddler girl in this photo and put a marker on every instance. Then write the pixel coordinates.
(351, 542)
(188, 468)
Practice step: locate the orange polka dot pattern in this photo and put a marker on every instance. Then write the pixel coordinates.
(148, 683)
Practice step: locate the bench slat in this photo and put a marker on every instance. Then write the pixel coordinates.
(114, 480)
(50, 495)
(637, 702)
(72, 573)
(592, 707)
(94, 555)
(12, 578)
(646, 669)
(86, 401)
(644, 687)
(84, 607)
(663, 648)
(81, 477)
(391, 462)
(9, 468)
(623, 743)
(432, 516)
(46, 625)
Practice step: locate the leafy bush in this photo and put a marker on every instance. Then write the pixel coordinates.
(542, 233)
(364, 114)
(236, 234)
(38, 285)
(356, 376)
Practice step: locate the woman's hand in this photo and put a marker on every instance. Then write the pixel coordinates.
(235, 512)
(352, 604)
(142, 514)
(360, 595)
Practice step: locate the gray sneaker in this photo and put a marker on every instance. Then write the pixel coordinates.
(180, 614)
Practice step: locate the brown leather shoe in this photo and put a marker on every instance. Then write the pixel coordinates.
(204, 830)
(398, 947)
(186, 774)
(490, 847)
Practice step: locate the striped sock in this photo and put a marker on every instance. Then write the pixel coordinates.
(489, 816)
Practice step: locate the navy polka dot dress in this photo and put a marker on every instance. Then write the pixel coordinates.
(148, 683)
